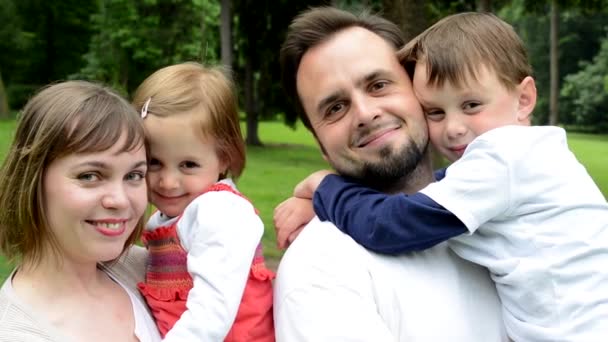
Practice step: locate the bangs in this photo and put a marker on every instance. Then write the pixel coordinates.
(96, 130)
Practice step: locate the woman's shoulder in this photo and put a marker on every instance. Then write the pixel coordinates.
(131, 266)
(16, 324)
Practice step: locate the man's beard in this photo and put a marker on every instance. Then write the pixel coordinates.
(391, 171)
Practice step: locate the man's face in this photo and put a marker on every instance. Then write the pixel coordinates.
(362, 108)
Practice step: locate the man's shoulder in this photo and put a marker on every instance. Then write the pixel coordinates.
(320, 250)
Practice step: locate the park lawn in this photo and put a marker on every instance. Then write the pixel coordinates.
(289, 155)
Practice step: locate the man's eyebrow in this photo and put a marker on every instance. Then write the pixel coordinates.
(374, 75)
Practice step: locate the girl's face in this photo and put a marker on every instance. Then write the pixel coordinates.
(182, 164)
(93, 201)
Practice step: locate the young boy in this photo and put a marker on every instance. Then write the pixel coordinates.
(515, 200)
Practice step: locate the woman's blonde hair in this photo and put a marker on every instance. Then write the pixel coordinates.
(207, 95)
(62, 119)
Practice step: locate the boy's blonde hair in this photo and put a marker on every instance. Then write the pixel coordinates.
(458, 46)
(62, 119)
(207, 95)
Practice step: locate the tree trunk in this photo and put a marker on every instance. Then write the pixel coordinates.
(226, 32)
(410, 15)
(4, 108)
(554, 73)
(484, 6)
(250, 107)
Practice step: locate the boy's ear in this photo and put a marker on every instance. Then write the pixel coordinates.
(527, 99)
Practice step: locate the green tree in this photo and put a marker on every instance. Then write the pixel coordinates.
(133, 39)
(586, 92)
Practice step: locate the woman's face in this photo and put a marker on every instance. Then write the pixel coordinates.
(93, 201)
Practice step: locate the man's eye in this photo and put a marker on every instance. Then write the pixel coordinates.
(338, 107)
(379, 85)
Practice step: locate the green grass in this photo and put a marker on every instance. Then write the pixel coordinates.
(289, 155)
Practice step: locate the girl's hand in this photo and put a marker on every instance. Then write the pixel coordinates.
(290, 217)
(307, 187)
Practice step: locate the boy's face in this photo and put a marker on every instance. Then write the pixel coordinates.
(457, 115)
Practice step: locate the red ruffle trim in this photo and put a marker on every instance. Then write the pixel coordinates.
(159, 233)
(260, 272)
(163, 294)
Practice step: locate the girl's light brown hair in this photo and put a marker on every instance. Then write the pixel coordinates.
(62, 119)
(456, 47)
(207, 95)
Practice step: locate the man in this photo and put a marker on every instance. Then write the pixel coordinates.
(342, 72)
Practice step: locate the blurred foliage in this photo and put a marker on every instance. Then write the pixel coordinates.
(120, 42)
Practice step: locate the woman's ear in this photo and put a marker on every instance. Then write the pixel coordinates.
(526, 91)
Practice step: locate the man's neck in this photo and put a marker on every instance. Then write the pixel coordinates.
(416, 180)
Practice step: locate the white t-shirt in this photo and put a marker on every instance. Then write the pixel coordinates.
(540, 225)
(329, 288)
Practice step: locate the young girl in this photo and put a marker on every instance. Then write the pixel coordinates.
(206, 278)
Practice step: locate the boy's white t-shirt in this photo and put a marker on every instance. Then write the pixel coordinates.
(540, 224)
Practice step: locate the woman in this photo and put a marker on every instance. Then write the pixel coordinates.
(73, 193)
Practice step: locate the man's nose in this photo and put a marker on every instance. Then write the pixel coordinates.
(365, 109)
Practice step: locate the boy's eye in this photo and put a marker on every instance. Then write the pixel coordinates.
(434, 114)
(471, 105)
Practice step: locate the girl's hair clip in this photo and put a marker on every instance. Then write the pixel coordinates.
(144, 109)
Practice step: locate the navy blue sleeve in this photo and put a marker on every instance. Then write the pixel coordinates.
(389, 224)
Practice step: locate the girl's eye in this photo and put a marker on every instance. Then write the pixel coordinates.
(89, 177)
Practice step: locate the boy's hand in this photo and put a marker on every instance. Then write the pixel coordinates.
(290, 217)
(307, 187)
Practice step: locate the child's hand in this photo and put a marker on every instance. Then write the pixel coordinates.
(290, 217)
(307, 187)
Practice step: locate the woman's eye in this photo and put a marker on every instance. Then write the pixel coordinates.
(135, 176)
(89, 177)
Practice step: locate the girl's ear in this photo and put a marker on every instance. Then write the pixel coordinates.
(527, 99)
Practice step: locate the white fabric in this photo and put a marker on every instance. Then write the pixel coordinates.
(37, 328)
(145, 328)
(329, 288)
(220, 231)
(540, 225)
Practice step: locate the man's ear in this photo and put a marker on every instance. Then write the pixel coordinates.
(526, 91)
